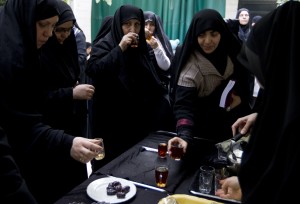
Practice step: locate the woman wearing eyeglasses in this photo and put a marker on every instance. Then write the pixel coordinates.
(65, 100)
(59, 59)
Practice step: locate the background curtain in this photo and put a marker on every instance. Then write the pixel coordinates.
(175, 14)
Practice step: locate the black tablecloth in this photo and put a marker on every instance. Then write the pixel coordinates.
(138, 165)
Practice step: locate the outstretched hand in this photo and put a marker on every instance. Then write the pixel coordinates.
(230, 189)
(244, 124)
(84, 150)
(179, 140)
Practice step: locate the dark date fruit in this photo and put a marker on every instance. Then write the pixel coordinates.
(111, 191)
(126, 189)
(116, 183)
(116, 188)
(121, 194)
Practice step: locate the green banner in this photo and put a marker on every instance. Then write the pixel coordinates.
(175, 14)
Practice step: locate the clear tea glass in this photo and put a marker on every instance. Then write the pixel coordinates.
(101, 154)
(135, 43)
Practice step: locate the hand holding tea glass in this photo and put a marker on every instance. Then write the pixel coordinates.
(220, 174)
(101, 153)
(148, 34)
(135, 42)
(131, 39)
(177, 148)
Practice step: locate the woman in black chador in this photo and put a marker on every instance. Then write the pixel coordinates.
(269, 166)
(64, 106)
(104, 28)
(37, 148)
(160, 47)
(123, 75)
(66, 97)
(273, 150)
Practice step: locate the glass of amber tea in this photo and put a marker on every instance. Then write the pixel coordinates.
(162, 149)
(161, 175)
(176, 151)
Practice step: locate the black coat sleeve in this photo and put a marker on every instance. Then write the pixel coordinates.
(13, 188)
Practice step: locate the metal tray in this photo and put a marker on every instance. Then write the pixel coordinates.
(194, 189)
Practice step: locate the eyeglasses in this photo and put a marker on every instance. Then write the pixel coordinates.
(62, 30)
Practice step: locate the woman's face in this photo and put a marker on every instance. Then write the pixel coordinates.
(244, 18)
(44, 29)
(150, 25)
(132, 25)
(209, 41)
(63, 31)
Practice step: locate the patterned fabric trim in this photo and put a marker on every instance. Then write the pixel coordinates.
(183, 122)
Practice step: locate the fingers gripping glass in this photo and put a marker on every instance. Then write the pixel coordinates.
(62, 30)
(135, 42)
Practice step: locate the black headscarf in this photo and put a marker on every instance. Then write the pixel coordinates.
(18, 42)
(65, 13)
(269, 166)
(255, 19)
(123, 14)
(129, 12)
(159, 32)
(208, 19)
(46, 9)
(136, 57)
(104, 28)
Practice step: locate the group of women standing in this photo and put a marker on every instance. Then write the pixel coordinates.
(131, 97)
(128, 67)
(133, 78)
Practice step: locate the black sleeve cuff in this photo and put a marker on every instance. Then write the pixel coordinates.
(185, 132)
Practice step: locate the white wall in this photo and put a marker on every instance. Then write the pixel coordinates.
(231, 8)
(82, 11)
